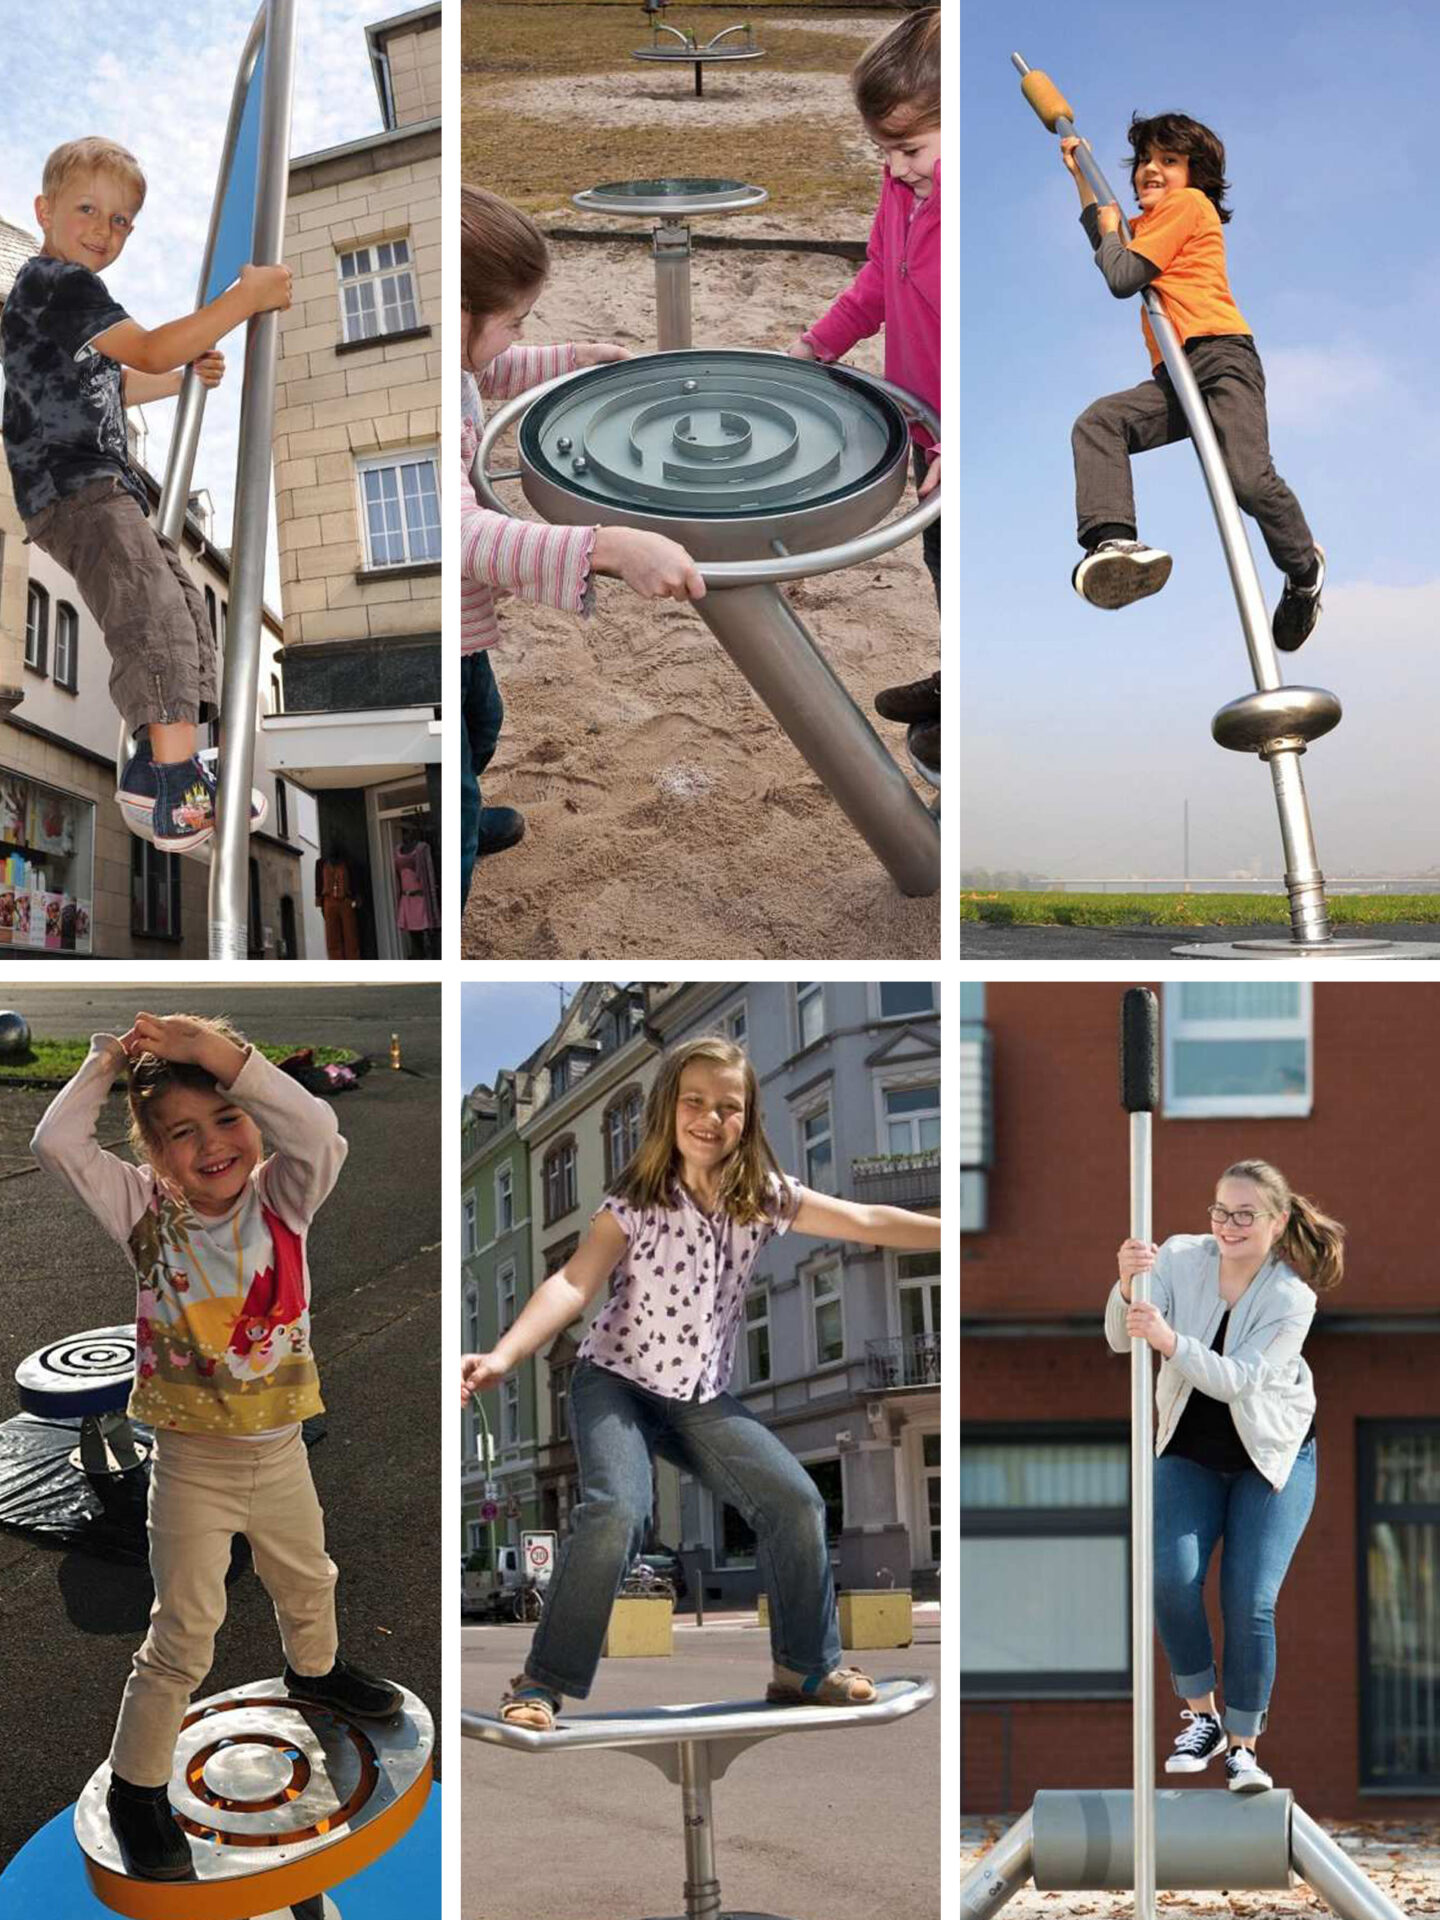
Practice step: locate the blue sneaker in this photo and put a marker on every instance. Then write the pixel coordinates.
(136, 793)
(184, 816)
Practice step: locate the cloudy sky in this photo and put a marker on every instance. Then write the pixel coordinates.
(1083, 733)
(158, 78)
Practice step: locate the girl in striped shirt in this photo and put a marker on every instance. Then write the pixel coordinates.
(504, 261)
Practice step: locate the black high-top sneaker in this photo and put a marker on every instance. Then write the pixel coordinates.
(346, 1688)
(1197, 1744)
(151, 1842)
(1299, 609)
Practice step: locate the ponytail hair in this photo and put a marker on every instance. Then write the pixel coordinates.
(1312, 1243)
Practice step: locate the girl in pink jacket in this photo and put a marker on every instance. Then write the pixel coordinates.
(896, 84)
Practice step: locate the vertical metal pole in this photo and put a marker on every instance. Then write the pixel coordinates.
(702, 1887)
(1304, 882)
(1139, 1094)
(672, 285)
(230, 869)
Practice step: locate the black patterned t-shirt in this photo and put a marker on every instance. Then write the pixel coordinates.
(64, 421)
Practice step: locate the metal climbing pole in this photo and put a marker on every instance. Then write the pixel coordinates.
(1276, 721)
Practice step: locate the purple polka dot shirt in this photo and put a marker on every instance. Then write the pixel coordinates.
(676, 1300)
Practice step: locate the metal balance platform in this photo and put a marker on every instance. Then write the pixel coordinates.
(671, 203)
(766, 469)
(681, 48)
(89, 1374)
(280, 1800)
(694, 1746)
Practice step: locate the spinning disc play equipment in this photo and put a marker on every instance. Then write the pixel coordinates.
(684, 49)
(1276, 722)
(247, 223)
(89, 1374)
(1096, 1841)
(280, 1801)
(766, 469)
(671, 202)
(693, 1746)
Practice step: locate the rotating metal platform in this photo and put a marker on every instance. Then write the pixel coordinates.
(687, 50)
(279, 1798)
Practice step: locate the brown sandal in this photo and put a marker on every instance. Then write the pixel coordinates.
(528, 1703)
(845, 1687)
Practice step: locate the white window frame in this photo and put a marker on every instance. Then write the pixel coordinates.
(66, 647)
(396, 458)
(832, 1272)
(472, 1319)
(900, 1083)
(505, 1296)
(735, 1022)
(37, 628)
(912, 1283)
(1176, 1027)
(807, 993)
(469, 1226)
(504, 1199)
(813, 1112)
(758, 1293)
(932, 1012)
(510, 1411)
(376, 278)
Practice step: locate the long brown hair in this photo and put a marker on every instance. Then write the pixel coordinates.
(503, 255)
(150, 1078)
(896, 81)
(1312, 1243)
(747, 1177)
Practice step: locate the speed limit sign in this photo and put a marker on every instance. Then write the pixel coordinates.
(539, 1551)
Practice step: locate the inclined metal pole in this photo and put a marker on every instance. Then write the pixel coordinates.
(1000, 1874)
(230, 870)
(1329, 1871)
(1304, 882)
(1139, 1093)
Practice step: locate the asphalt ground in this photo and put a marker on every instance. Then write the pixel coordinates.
(68, 1621)
(819, 1826)
(1050, 944)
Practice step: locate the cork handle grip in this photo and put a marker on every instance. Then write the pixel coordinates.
(1046, 98)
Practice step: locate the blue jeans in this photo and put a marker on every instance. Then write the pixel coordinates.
(930, 539)
(618, 1427)
(1194, 1507)
(481, 714)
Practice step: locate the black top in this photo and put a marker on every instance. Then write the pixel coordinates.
(64, 408)
(1206, 1432)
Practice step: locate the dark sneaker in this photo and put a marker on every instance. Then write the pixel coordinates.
(348, 1689)
(184, 817)
(135, 795)
(259, 805)
(916, 700)
(151, 1842)
(1119, 572)
(500, 827)
(1197, 1745)
(924, 744)
(1298, 611)
(1244, 1773)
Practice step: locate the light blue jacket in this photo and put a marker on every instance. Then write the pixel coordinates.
(1261, 1375)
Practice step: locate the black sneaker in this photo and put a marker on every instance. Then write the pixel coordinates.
(923, 740)
(348, 1689)
(500, 827)
(1298, 611)
(1244, 1773)
(1119, 572)
(1197, 1745)
(916, 700)
(151, 1842)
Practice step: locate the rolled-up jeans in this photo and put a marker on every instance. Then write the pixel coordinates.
(1196, 1507)
(618, 1427)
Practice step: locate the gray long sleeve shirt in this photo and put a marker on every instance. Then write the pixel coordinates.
(1126, 273)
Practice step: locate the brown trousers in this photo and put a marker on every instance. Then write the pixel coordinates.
(204, 1490)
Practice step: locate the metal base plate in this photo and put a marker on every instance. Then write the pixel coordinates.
(670, 197)
(1312, 955)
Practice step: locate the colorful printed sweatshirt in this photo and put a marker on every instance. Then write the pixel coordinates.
(222, 1317)
(898, 289)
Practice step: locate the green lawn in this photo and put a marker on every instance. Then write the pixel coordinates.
(1183, 909)
(59, 1059)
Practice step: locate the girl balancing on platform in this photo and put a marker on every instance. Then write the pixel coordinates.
(674, 1246)
(1235, 1442)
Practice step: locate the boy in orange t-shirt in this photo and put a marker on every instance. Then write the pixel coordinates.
(1178, 174)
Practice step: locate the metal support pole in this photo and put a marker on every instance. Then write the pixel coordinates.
(1000, 1874)
(1304, 882)
(230, 869)
(765, 638)
(672, 284)
(702, 1885)
(1331, 1873)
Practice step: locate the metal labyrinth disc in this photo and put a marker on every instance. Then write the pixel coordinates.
(86, 1373)
(280, 1799)
(727, 451)
(672, 197)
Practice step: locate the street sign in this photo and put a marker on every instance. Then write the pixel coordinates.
(489, 1510)
(539, 1550)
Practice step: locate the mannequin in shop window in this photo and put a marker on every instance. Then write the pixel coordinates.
(417, 898)
(336, 898)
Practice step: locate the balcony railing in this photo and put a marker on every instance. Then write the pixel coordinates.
(898, 1179)
(913, 1360)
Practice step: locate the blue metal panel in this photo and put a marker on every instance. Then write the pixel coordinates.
(235, 237)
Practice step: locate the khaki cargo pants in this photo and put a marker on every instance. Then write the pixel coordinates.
(138, 587)
(204, 1490)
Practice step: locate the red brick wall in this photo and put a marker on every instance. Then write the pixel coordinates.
(1059, 1207)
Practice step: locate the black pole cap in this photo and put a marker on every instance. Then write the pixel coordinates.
(1139, 1051)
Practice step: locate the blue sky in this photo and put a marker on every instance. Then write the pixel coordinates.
(1084, 732)
(501, 1025)
(158, 79)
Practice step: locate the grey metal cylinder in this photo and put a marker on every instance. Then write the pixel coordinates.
(1204, 1840)
(1329, 1871)
(672, 285)
(999, 1875)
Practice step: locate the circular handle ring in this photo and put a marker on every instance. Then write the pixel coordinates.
(750, 573)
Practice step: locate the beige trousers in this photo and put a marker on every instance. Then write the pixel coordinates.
(203, 1491)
